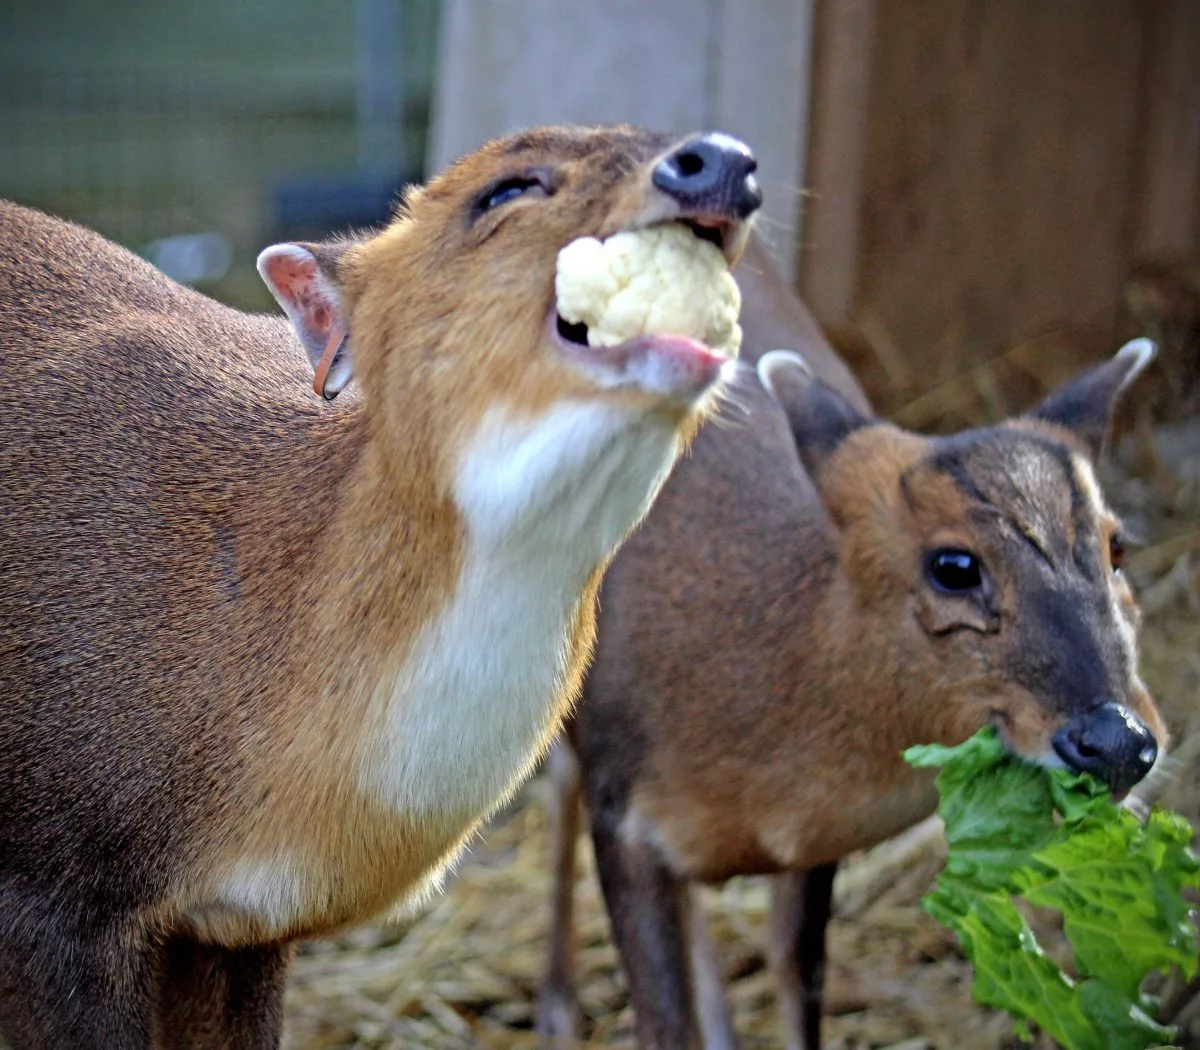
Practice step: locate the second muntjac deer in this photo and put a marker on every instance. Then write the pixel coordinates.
(815, 591)
(266, 663)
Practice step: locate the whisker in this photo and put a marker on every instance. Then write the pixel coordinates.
(727, 405)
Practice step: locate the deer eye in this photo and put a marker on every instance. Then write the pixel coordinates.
(954, 571)
(507, 190)
(1116, 552)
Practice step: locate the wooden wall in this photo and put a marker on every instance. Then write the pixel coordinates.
(983, 171)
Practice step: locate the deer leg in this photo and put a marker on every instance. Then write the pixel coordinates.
(558, 1002)
(800, 908)
(648, 913)
(214, 998)
(66, 985)
(712, 1008)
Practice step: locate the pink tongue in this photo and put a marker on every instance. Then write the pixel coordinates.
(674, 362)
(675, 366)
(681, 346)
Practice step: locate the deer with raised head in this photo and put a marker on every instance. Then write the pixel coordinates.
(266, 662)
(814, 591)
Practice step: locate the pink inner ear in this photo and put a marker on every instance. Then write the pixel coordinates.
(295, 277)
(292, 277)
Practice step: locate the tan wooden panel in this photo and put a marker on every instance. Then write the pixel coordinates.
(828, 252)
(1167, 205)
(996, 182)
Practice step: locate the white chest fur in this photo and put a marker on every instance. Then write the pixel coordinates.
(545, 501)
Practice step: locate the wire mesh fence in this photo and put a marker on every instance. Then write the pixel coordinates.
(193, 133)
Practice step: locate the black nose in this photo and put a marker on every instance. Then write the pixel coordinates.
(711, 174)
(1110, 742)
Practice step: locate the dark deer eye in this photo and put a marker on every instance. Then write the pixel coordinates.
(1116, 552)
(507, 190)
(954, 571)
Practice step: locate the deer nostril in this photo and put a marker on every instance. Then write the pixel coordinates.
(1074, 751)
(689, 163)
(693, 169)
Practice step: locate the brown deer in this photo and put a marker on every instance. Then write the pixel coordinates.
(267, 662)
(814, 591)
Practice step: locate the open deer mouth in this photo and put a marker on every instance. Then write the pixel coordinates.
(661, 279)
(713, 229)
(576, 333)
(652, 308)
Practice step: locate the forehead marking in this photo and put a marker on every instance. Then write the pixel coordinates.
(1096, 515)
(966, 461)
(957, 471)
(1119, 615)
(1088, 486)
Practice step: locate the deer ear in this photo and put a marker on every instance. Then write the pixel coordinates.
(1084, 405)
(820, 418)
(301, 278)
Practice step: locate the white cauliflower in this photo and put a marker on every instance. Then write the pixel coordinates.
(663, 280)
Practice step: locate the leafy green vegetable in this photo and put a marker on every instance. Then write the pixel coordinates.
(1056, 839)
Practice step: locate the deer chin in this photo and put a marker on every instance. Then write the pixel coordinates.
(672, 368)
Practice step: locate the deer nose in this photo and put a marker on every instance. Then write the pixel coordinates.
(1110, 742)
(711, 174)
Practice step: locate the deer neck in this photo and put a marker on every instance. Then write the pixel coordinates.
(461, 612)
(541, 505)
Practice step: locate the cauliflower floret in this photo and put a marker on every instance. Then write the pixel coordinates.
(662, 280)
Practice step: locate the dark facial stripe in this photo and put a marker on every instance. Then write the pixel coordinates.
(1064, 656)
(949, 461)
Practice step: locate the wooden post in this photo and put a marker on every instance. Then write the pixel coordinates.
(837, 146)
(763, 79)
(1167, 212)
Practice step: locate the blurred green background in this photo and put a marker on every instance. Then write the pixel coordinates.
(224, 125)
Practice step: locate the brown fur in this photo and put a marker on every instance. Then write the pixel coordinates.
(212, 578)
(768, 647)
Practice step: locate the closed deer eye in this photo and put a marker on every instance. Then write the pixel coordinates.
(954, 571)
(508, 189)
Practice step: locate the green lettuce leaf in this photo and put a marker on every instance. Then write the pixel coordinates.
(1056, 839)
